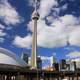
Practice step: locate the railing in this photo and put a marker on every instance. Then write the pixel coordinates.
(26, 74)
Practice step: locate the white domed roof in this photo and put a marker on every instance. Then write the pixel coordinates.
(9, 58)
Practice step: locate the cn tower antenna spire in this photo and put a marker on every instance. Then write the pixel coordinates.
(36, 4)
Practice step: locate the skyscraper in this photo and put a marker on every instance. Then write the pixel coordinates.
(25, 57)
(53, 60)
(63, 64)
(35, 17)
(56, 66)
(39, 63)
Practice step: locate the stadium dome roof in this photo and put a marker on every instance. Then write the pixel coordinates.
(9, 58)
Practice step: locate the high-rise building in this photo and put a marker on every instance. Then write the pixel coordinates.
(35, 17)
(63, 65)
(39, 63)
(73, 64)
(25, 57)
(53, 60)
(56, 66)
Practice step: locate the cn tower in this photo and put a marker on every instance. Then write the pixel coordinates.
(35, 17)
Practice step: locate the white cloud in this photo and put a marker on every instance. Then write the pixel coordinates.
(8, 14)
(65, 24)
(74, 38)
(45, 57)
(46, 6)
(57, 34)
(2, 26)
(23, 42)
(50, 38)
(2, 33)
(74, 54)
(66, 20)
(70, 27)
(50, 19)
(69, 20)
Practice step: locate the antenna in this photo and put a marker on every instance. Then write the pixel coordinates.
(36, 4)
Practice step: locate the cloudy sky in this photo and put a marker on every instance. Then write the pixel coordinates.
(58, 30)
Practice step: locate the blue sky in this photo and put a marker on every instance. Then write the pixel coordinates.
(58, 27)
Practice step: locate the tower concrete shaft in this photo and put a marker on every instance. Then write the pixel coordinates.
(35, 17)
